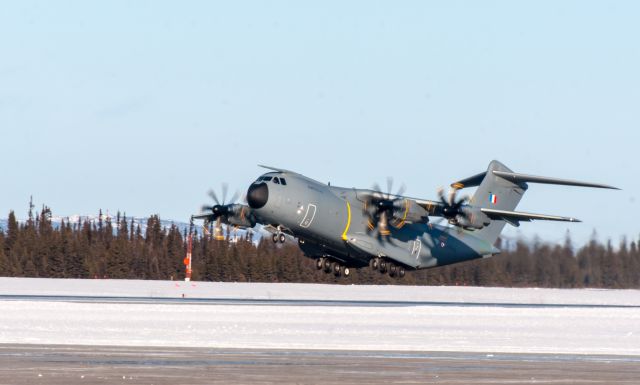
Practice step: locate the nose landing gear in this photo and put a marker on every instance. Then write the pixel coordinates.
(278, 237)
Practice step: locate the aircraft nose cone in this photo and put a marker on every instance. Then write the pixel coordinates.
(257, 195)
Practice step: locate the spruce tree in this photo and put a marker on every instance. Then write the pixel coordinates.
(6, 269)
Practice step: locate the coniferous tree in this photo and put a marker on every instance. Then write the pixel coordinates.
(36, 248)
(5, 266)
(12, 230)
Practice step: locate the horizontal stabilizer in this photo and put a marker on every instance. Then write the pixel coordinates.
(517, 178)
(471, 181)
(514, 217)
(523, 178)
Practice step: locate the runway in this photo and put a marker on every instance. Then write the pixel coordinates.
(164, 332)
(294, 302)
(65, 364)
(318, 317)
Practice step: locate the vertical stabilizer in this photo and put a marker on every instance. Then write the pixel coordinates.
(497, 193)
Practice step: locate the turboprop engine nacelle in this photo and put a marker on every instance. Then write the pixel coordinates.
(473, 219)
(409, 211)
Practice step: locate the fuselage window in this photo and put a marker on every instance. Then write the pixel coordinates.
(276, 180)
(284, 182)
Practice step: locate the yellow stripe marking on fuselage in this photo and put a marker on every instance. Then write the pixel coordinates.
(344, 233)
(404, 217)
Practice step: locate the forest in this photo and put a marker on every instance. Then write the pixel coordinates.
(119, 249)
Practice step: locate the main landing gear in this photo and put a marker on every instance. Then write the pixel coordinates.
(384, 266)
(331, 266)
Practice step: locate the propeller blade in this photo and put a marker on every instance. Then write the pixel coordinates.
(462, 201)
(383, 224)
(213, 196)
(234, 197)
(225, 189)
(453, 208)
(383, 209)
(222, 208)
(452, 195)
(441, 195)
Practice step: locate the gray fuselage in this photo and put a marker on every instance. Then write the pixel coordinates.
(330, 221)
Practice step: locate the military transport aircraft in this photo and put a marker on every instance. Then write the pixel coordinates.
(343, 228)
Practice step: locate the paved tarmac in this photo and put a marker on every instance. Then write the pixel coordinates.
(296, 302)
(61, 364)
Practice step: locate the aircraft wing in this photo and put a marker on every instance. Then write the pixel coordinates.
(430, 206)
(201, 216)
(515, 217)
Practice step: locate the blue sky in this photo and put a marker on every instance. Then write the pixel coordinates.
(142, 106)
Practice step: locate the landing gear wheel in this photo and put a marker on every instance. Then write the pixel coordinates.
(319, 263)
(374, 263)
(401, 272)
(335, 267)
(382, 265)
(274, 238)
(345, 271)
(392, 270)
(281, 238)
(327, 265)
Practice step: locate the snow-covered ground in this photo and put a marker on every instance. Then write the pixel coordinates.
(301, 291)
(606, 322)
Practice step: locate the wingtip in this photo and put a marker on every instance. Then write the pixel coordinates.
(606, 186)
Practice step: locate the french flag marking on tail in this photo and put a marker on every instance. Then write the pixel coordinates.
(493, 198)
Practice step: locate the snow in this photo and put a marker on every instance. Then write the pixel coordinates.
(301, 291)
(439, 325)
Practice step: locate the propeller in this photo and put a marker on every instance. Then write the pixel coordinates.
(221, 209)
(384, 209)
(458, 211)
(452, 208)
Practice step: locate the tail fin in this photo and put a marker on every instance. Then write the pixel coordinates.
(496, 193)
(499, 192)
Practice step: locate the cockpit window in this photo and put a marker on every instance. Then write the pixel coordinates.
(266, 178)
(284, 182)
(276, 180)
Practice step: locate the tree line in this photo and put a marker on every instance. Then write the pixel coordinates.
(119, 249)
